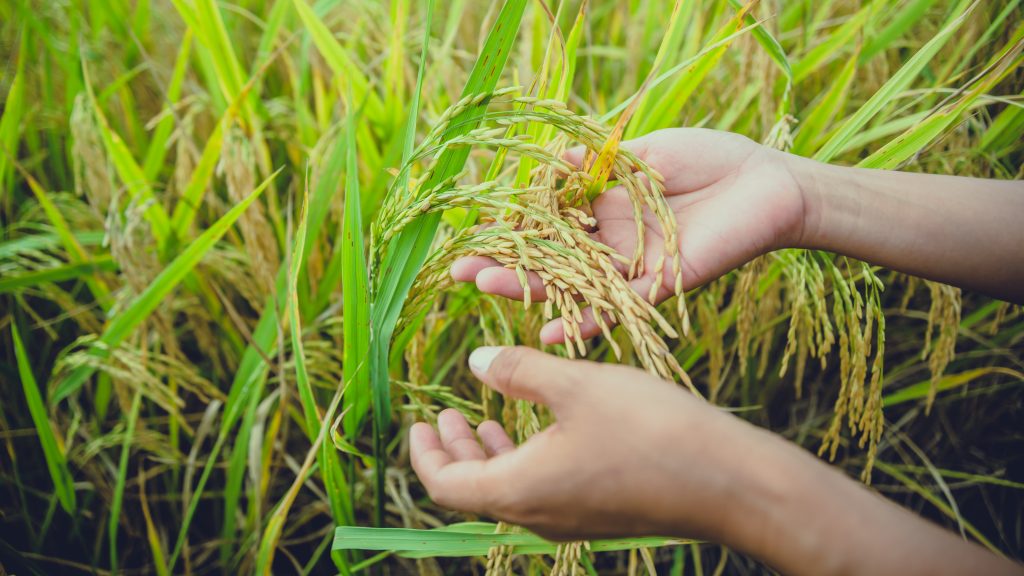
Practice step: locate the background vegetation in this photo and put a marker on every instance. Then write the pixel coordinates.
(187, 191)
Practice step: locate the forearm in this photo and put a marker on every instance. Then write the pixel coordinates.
(966, 232)
(804, 517)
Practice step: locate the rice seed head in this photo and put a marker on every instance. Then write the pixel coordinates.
(544, 229)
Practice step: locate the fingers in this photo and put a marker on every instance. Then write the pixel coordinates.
(554, 331)
(494, 438)
(466, 269)
(426, 451)
(453, 467)
(527, 374)
(502, 281)
(457, 437)
(493, 278)
(575, 156)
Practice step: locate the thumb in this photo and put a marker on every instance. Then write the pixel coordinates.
(527, 374)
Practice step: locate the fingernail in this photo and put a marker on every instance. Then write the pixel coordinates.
(481, 358)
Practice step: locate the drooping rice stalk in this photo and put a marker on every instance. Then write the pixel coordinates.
(129, 129)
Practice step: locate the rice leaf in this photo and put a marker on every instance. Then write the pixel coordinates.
(114, 520)
(914, 140)
(86, 269)
(664, 109)
(904, 20)
(156, 152)
(43, 242)
(813, 127)
(356, 292)
(13, 110)
(896, 84)
(76, 254)
(406, 253)
(921, 390)
(469, 539)
(346, 72)
(53, 450)
(836, 43)
(1006, 129)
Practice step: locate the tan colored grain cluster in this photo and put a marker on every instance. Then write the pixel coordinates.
(545, 228)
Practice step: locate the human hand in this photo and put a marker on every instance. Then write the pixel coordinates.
(667, 464)
(633, 455)
(733, 200)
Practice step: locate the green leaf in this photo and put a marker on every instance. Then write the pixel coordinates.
(917, 138)
(834, 44)
(157, 150)
(52, 448)
(114, 520)
(470, 539)
(13, 110)
(57, 274)
(903, 21)
(406, 253)
(895, 85)
(920, 390)
(345, 70)
(814, 125)
(356, 292)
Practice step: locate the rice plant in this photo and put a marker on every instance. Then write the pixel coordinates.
(228, 229)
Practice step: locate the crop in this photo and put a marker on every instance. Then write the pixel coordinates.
(227, 228)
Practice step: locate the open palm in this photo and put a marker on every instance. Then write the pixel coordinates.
(733, 200)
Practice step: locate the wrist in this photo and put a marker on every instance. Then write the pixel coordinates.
(814, 183)
(779, 511)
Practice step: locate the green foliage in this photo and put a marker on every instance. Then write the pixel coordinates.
(188, 191)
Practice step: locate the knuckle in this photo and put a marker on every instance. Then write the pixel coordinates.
(507, 367)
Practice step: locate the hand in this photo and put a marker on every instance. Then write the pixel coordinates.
(629, 455)
(633, 455)
(733, 200)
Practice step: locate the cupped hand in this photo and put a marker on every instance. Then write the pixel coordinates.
(600, 470)
(733, 200)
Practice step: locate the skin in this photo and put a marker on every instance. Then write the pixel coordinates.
(673, 465)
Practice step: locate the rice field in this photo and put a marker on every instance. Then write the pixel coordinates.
(227, 229)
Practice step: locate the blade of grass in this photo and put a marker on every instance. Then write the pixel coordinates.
(53, 451)
(664, 109)
(251, 374)
(468, 539)
(156, 152)
(315, 429)
(814, 125)
(346, 72)
(896, 84)
(355, 291)
(836, 43)
(407, 252)
(921, 390)
(914, 140)
(42, 242)
(928, 495)
(328, 462)
(114, 520)
(12, 283)
(13, 110)
(76, 254)
(904, 20)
